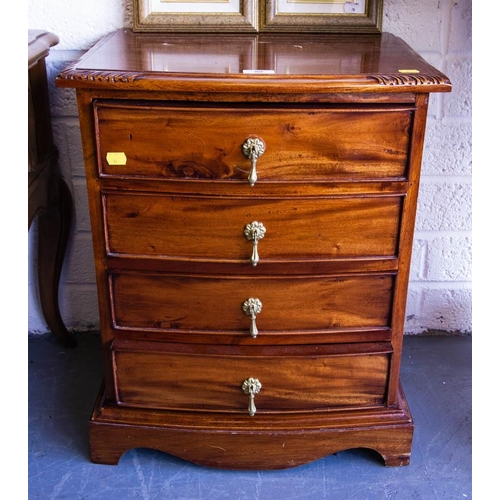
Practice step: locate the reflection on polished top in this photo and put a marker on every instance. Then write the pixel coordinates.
(346, 62)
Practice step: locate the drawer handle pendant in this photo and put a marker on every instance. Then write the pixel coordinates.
(251, 387)
(251, 307)
(255, 232)
(253, 148)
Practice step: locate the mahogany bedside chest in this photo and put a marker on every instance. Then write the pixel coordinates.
(252, 202)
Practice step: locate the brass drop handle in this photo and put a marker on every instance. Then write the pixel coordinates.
(254, 232)
(251, 307)
(251, 387)
(253, 148)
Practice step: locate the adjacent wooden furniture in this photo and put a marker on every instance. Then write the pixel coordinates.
(252, 202)
(48, 193)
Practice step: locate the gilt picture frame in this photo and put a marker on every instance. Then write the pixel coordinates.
(321, 16)
(199, 16)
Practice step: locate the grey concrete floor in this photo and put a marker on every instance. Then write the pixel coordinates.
(63, 384)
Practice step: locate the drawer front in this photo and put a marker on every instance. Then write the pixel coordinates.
(208, 229)
(203, 143)
(214, 382)
(288, 303)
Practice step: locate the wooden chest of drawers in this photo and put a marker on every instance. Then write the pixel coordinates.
(252, 240)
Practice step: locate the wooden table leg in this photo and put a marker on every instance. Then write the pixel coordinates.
(54, 230)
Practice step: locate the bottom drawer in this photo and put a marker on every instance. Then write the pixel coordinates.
(302, 378)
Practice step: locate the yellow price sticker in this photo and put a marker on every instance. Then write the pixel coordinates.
(116, 158)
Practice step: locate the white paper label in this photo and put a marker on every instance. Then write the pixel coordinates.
(259, 71)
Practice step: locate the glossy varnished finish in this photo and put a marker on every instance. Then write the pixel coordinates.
(317, 63)
(164, 119)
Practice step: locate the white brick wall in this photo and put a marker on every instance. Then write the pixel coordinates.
(440, 296)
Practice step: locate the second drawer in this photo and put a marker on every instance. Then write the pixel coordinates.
(213, 229)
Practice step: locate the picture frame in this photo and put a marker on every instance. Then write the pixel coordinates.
(199, 16)
(321, 16)
(253, 16)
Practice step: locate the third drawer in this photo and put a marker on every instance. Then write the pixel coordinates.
(202, 305)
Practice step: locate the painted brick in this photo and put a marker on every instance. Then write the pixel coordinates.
(414, 22)
(79, 24)
(448, 309)
(79, 308)
(434, 110)
(81, 206)
(444, 206)
(36, 323)
(62, 101)
(60, 140)
(435, 107)
(461, 26)
(418, 258)
(413, 309)
(75, 150)
(449, 258)
(459, 103)
(68, 140)
(448, 149)
(79, 261)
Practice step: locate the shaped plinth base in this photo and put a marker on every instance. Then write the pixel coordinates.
(265, 441)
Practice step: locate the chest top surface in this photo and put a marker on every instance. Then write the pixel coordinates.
(284, 62)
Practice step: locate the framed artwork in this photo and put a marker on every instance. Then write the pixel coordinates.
(198, 16)
(252, 16)
(334, 16)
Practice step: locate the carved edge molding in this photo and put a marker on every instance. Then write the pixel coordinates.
(93, 76)
(410, 80)
(72, 74)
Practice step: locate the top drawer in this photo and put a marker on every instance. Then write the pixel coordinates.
(154, 140)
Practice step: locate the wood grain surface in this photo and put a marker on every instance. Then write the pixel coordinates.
(163, 120)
